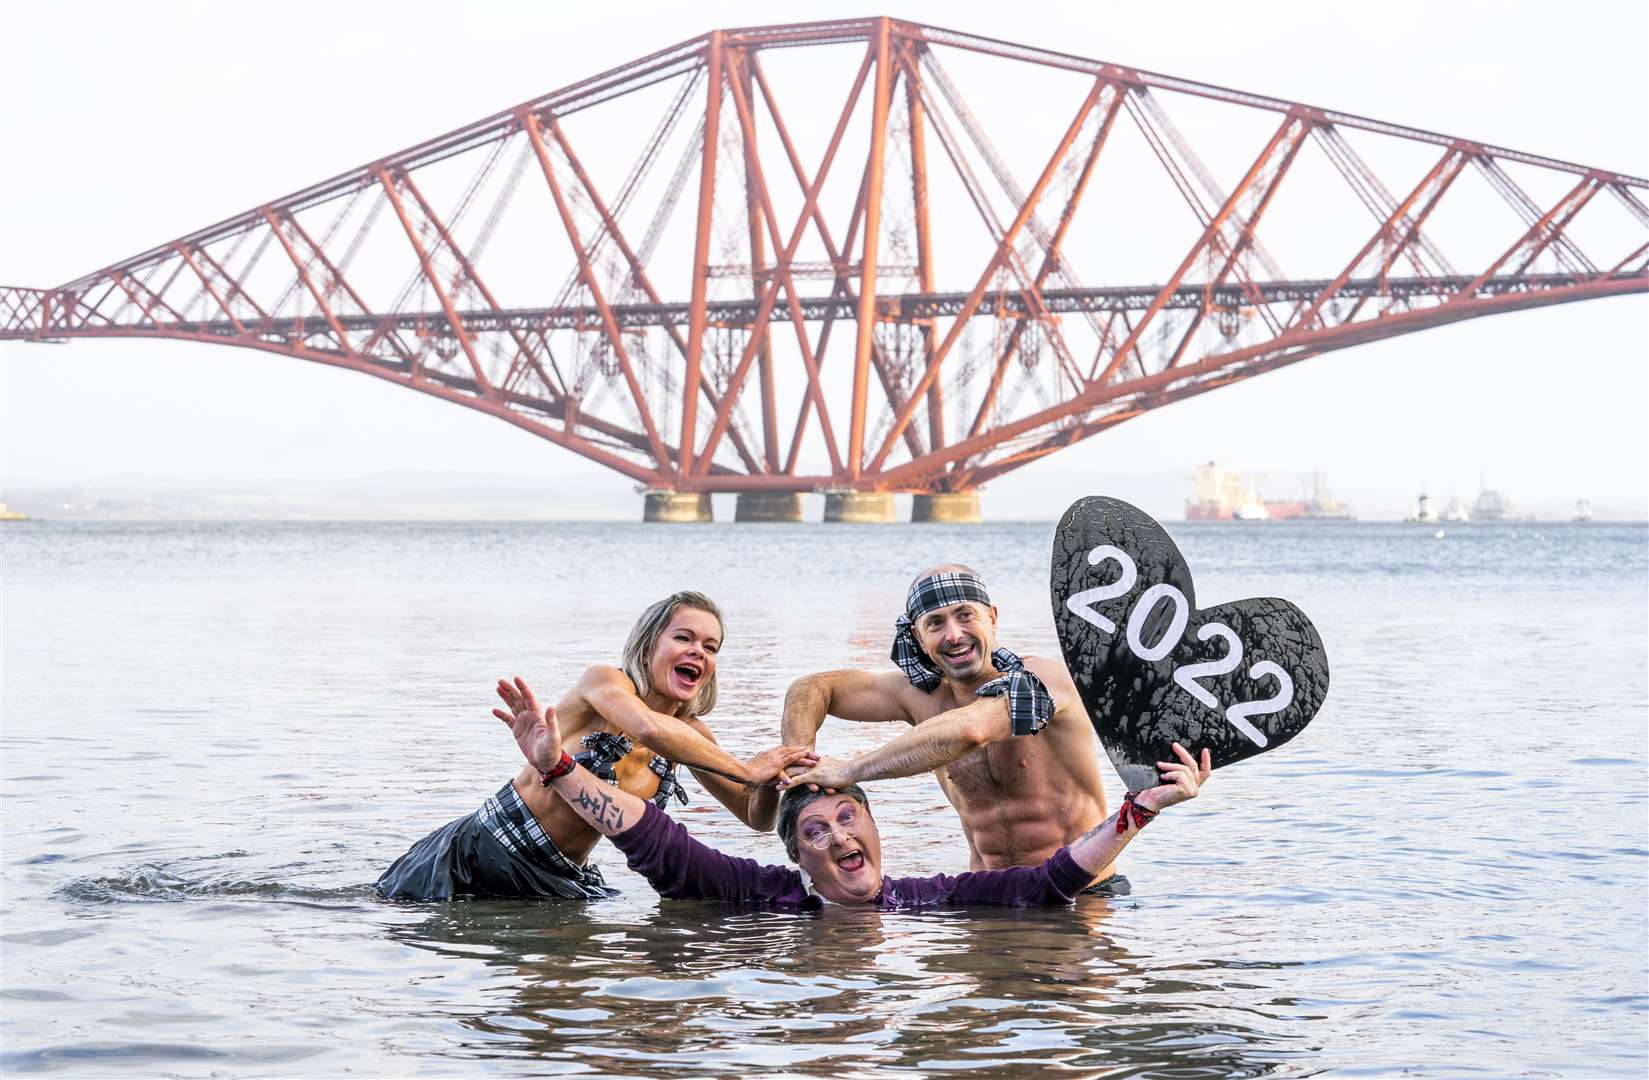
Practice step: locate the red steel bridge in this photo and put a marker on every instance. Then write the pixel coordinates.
(867, 256)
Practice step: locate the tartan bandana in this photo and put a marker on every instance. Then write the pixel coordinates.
(929, 594)
(1030, 706)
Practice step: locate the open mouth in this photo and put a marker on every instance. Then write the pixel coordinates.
(688, 672)
(959, 654)
(853, 860)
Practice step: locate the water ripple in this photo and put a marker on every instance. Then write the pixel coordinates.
(156, 884)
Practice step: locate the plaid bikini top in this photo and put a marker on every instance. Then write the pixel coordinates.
(603, 750)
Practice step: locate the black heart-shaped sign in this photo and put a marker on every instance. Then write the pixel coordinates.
(1240, 678)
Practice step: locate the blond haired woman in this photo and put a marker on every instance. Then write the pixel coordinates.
(634, 725)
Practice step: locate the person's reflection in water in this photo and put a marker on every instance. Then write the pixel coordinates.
(686, 984)
(845, 989)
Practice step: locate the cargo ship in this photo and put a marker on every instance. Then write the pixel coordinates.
(1224, 495)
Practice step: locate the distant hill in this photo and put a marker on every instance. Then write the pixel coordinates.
(381, 497)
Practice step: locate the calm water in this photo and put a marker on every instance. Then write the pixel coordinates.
(216, 736)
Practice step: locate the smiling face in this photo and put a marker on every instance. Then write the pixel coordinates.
(959, 639)
(839, 847)
(684, 659)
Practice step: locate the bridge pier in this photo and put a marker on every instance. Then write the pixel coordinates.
(768, 506)
(859, 507)
(946, 508)
(676, 507)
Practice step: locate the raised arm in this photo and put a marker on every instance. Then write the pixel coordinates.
(849, 694)
(607, 808)
(930, 745)
(1182, 780)
(944, 738)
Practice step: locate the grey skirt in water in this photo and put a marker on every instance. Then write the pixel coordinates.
(500, 851)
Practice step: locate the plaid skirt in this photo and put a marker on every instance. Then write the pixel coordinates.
(500, 851)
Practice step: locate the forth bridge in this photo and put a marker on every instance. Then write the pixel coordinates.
(867, 257)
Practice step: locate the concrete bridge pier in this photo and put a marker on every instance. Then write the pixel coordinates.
(859, 507)
(768, 506)
(676, 507)
(946, 508)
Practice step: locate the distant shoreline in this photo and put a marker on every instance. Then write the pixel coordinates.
(1233, 525)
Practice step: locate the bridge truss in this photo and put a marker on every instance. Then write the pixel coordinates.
(797, 258)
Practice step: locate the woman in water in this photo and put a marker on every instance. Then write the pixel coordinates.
(633, 726)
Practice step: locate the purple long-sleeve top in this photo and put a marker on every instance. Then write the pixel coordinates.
(660, 849)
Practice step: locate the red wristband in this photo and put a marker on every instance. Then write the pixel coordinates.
(562, 768)
(1130, 806)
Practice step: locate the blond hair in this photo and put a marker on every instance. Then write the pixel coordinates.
(644, 638)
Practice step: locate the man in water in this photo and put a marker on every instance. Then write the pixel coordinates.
(1008, 739)
(831, 837)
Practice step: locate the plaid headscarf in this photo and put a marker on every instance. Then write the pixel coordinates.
(1030, 706)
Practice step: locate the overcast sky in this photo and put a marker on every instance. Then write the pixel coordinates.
(128, 125)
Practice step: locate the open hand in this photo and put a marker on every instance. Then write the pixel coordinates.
(535, 729)
(1182, 780)
(830, 773)
(765, 769)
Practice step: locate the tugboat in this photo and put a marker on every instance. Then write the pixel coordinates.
(1251, 509)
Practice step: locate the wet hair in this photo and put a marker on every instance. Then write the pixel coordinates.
(644, 638)
(796, 799)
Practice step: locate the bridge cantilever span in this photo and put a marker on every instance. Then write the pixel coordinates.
(740, 314)
(723, 218)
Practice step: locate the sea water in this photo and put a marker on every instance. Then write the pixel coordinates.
(215, 737)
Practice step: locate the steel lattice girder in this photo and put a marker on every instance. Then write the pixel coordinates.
(644, 362)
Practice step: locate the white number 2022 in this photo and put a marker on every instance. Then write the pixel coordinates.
(1186, 676)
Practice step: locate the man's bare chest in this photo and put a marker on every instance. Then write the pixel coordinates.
(994, 771)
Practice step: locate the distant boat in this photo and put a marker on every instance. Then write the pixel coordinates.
(1583, 510)
(1226, 495)
(1490, 506)
(1319, 506)
(1456, 513)
(1423, 513)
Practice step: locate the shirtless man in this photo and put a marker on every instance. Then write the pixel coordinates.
(1009, 740)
